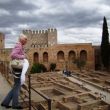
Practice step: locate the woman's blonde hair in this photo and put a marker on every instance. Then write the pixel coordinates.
(22, 37)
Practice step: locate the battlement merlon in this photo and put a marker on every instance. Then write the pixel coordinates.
(52, 30)
(34, 32)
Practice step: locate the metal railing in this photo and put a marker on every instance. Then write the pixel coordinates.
(4, 69)
(42, 95)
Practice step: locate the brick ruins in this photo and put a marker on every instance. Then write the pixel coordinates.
(64, 93)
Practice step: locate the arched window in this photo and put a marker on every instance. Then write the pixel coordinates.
(36, 57)
(60, 56)
(83, 55)
(45, 57)
(71, 56)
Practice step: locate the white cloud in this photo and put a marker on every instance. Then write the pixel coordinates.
(23, 26)
(4, 1)
(39, 3)
(80, 35)
(87, 4)
(24, 14)
(104, 9)
(77, 21)
(45, 7)
(4, 12)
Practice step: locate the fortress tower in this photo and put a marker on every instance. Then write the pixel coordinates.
(2, 42)
(41, 38)
(52, 37)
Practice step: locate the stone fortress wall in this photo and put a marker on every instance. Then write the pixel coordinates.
(42, 47)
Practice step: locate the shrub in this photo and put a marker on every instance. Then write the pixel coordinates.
(38, 68)
(52, 66)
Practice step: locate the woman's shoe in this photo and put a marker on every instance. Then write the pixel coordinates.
(17, 107)
(6, 106)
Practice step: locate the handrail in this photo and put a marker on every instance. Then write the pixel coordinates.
(29, 86)
(44, 96)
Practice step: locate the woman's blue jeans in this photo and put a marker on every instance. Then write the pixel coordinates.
(13, 94)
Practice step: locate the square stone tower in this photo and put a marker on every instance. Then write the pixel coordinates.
(41, 38)
(52, 37)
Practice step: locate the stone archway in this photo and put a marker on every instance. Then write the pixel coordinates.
(45, 57)
(83, 55)
(71, 56)
(60, 56)
(36, 57)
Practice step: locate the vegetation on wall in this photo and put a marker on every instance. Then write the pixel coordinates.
(52, 66)
(38, 68)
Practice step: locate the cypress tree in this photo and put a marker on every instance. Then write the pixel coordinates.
(105, 45)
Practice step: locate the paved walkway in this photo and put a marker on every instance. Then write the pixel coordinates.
(4, 88)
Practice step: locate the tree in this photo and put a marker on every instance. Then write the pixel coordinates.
(79, 63)
(105, 45)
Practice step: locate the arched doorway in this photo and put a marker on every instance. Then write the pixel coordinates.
(71, 56)
(45, 57)
(60, 56)
(36, 57)
(83, 55)
(60, 60)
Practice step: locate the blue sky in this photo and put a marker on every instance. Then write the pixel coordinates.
(76, 21)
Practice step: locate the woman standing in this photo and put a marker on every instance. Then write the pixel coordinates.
(19, 77)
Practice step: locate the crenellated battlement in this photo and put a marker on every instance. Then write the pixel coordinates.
(42, 37)
(50, 30)
(34, 31)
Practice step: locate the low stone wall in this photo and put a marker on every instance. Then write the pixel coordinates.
(61, 106)
(100, 105)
